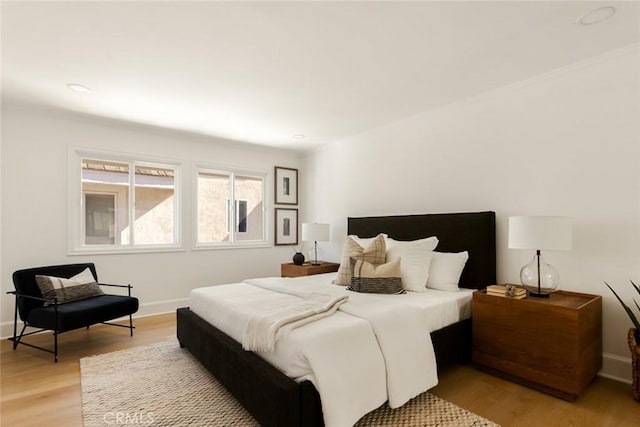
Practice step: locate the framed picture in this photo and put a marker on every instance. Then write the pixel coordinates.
(286, 186)
(286, 226)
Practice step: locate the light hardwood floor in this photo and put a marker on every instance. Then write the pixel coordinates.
(37, 392)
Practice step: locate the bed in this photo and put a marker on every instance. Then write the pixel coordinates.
(273, 398)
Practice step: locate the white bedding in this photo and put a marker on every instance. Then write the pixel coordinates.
(264, 329)
(341, 353)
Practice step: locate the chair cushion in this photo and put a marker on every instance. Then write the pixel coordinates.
(78, 314)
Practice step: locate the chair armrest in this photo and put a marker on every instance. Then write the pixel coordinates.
(32, 297)
(128, 287)
(117, 286)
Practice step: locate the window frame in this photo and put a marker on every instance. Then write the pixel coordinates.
(76, 206)
(232, 218)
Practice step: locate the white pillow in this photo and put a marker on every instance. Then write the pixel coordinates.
(431, 242)
(364, 241)
(416, 260)
(84, 277)
(446, 269)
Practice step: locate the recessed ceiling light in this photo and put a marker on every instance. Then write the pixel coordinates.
(596, 16)
(298, 136)
(78, 88)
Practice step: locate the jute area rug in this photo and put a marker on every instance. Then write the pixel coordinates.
(164, 385)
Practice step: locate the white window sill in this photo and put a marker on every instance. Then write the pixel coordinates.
(124, 250)
(214, 247)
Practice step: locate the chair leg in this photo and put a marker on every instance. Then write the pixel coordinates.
(15, 323)
(16, 341)
(55, 332)
(130, 326)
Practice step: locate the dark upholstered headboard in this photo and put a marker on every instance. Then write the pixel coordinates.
(474, 232)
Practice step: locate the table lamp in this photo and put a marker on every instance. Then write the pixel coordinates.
(316, 233)
(540, 232)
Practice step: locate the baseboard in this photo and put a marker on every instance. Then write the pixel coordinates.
(145, 310)
(161, 307)
(616, 368)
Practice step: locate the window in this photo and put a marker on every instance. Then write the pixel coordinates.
(230, 208)
(100, 218)
(125, 204)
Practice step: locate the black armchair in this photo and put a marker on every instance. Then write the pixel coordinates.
(59, 318)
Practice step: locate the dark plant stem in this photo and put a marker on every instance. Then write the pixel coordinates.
(627, 309)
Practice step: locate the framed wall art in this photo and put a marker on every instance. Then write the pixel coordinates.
(286, 226)
(286, 182)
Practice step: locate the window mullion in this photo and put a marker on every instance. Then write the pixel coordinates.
(83, 216)
(232, 208)
(177, 217)
(264, 210)
(132, 202)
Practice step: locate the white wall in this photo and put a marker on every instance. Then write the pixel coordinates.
(35, 147)
(566, 143)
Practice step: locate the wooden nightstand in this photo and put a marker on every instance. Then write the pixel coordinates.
(306, 269)
(551, 344)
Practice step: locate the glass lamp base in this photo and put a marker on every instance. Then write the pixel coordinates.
(537, 294)
(547, 274)
(315, 256)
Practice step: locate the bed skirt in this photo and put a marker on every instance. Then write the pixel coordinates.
(270, 396)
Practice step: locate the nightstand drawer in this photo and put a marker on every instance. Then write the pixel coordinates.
(306, 269)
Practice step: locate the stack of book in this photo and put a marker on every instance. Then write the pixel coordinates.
(509, 291)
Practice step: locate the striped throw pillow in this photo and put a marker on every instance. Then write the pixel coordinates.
(376, 279)
(375, 253)
(66, 290)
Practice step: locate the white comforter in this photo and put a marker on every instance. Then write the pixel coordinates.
(375, 348)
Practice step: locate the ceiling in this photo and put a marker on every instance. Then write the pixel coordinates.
(263, 72)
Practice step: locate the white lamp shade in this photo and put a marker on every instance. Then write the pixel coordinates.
(314, 232)
(540, 232)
